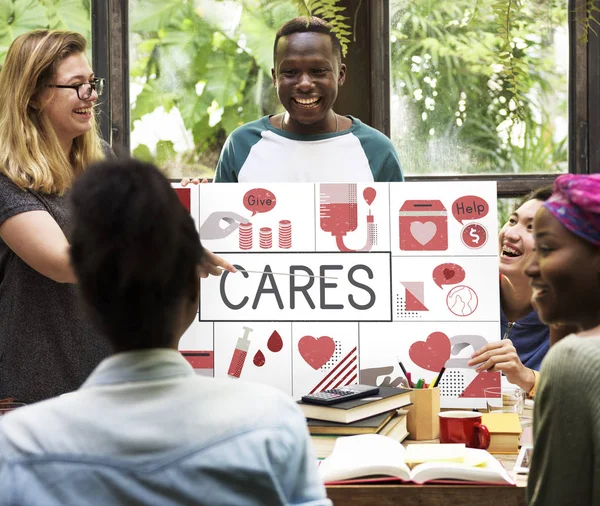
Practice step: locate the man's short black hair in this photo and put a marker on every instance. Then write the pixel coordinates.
(315, 25)
(135, 251)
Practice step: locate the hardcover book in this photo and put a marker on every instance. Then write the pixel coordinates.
(369, 425)
(395, 428)
(505, 432)
(387, 399)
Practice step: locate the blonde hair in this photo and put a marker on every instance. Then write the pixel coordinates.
(30, 153)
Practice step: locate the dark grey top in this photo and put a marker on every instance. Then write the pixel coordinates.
(47, 346)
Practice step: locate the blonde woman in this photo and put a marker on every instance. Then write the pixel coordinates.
(47, 136)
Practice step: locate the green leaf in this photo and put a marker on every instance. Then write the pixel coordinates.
(149, 99)
(17, 18)
(259, 35)
(165, 152)
(203, 134)
(142, 152)
(69, 15)
(226, 77)
(152, 15)
(231, 119)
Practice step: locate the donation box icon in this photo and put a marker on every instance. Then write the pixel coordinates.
(423, 226)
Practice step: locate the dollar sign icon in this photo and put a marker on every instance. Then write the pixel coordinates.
(474, 235)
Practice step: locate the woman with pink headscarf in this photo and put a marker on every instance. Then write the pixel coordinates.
(565, 278)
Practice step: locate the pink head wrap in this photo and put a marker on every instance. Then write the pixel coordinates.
(576, 204)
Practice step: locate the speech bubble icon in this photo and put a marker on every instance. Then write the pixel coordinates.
(448, 274)
(259, 200)
(469, 207)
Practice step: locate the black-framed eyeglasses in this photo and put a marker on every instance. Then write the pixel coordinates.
(84, 90)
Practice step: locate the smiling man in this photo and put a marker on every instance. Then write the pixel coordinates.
(309, 142)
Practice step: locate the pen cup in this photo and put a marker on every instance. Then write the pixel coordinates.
(422, 421)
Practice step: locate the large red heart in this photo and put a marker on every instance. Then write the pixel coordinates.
(316, 352)
(432, 353)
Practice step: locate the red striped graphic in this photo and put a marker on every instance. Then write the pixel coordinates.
(338, 376)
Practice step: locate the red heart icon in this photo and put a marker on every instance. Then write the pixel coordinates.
(432, 353)
(316, 352)
(448, 274)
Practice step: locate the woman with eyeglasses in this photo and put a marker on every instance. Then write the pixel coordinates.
(48, 136)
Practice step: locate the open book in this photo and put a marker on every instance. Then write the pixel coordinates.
(370, 455)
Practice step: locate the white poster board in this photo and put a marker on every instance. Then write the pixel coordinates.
(339, 282)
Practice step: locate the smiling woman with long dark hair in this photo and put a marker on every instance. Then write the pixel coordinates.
(565, 278)
(524, 339)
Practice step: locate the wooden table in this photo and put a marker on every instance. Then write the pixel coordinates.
(432, 495)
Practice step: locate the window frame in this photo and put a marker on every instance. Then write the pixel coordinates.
(110, 59)
(368, 63)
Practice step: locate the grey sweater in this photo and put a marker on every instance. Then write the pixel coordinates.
(47, 345)
(565, 468)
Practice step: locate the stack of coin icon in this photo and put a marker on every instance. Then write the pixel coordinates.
(245, 235)
(265, 238)
(285, 234)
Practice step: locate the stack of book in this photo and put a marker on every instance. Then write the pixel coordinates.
(505, 432)
(370, 415)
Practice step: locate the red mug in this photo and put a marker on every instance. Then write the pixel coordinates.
(464, 427)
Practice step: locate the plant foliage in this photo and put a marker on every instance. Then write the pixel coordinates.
(21, 16)
(473, 79)
(514, 68)
(591, 19)
(211, 61)
(454, 97)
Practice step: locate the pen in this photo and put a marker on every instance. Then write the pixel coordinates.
(439, 378)
(406, 374)
(420, 383)
(432, 384)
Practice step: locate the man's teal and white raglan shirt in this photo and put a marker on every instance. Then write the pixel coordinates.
(259, 152)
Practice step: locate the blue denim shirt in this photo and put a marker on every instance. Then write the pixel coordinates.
(144, 429)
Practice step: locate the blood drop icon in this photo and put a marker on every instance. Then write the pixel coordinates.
(259, 359)
(275, 343)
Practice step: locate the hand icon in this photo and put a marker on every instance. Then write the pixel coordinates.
(370, 376)
(220, 224)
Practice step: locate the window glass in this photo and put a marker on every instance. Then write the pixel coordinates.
(198, 70)
(20, 16)
(452, 107)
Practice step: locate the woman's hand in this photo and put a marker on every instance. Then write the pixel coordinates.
(214, 265)
(502, 356)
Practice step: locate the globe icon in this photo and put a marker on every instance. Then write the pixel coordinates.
(462, 300)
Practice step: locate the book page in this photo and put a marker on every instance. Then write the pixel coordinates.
(364, 455)
(420, 453)
(479, 465)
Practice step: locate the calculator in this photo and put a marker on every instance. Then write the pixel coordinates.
(341, 394)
